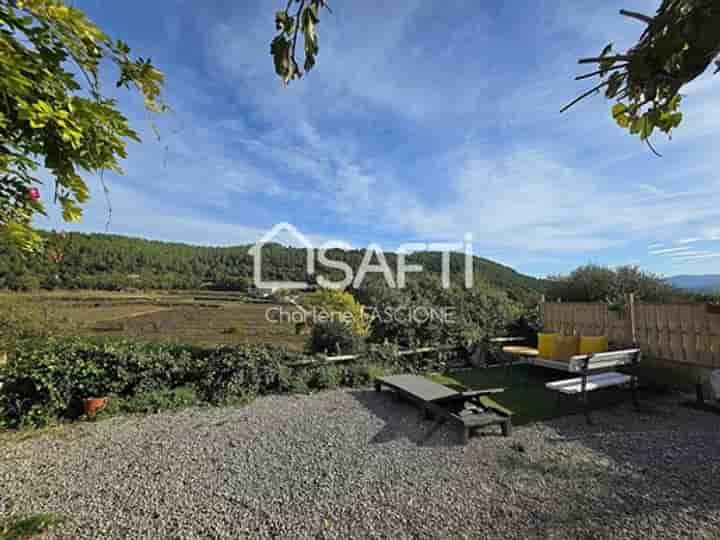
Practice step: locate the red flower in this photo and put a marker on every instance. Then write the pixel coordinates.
(32, 194)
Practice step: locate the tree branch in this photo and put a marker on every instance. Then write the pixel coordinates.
(599, 71)
(583, 96)
(638, 16)
(597, 60)
(651, 147)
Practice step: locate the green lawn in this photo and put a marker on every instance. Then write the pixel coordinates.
(525, 395)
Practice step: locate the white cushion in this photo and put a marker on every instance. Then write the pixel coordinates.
(594, 382)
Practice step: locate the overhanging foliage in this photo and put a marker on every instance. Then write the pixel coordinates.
(679, 44)
(53, 113)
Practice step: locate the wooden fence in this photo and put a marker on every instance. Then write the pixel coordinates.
(687, 334)
(451, 355)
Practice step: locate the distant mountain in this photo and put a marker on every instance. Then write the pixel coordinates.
(703, 283)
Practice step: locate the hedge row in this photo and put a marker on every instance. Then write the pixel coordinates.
(46, 380)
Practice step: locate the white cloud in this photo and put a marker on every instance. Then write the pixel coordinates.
(668, 250)
(700, 257)
(711, 233)
(689, 240)
(135, 214)
(530, 201)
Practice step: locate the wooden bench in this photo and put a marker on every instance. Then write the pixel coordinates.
(593, 373)
(462, 408)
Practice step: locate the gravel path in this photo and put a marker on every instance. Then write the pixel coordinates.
(358, 464)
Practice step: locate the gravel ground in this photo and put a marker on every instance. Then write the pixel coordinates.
(358, 464)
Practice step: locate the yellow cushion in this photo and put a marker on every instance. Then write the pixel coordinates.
(546, 345)
(565, 348)
(593, 344)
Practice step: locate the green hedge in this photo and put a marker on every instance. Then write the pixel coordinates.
(46, 380)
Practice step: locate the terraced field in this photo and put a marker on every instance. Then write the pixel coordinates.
(192, 317)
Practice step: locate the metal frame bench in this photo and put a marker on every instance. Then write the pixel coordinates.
(461, 408)
(593, 375)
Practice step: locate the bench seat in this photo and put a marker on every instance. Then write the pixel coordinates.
(599, 363)
(593, 382)
(463, 408)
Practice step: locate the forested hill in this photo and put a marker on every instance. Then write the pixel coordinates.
(101, 261)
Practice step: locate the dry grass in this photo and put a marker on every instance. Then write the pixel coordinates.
(192, 317)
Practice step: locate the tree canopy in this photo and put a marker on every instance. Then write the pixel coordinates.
(592, 283)
(53, 113)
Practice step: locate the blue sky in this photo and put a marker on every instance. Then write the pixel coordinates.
(422, 121)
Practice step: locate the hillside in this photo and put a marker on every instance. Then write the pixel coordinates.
(701, 283)
(99, 261)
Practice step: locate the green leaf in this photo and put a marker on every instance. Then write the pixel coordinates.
(619, 109)
(636, 126)
(615, 82)
(675, 119)
(647, 130)
(619, 113)
(309, 20)
(284, 22)
(284, 66)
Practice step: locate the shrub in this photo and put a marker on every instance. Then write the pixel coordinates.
(28, 283)
(325, 377)
(425, 313)
(338, 306)
(154, 400)
(363, 374)
(332, 338)
(45, 380)
(592, 283)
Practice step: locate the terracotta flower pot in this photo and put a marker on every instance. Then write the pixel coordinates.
(94, 405)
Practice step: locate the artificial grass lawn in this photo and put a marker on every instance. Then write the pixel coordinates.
(525, 395)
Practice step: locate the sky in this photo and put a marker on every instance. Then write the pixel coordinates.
(422, 122)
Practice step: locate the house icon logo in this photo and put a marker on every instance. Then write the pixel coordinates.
(256, 252)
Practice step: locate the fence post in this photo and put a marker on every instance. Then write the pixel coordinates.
(633, 327)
